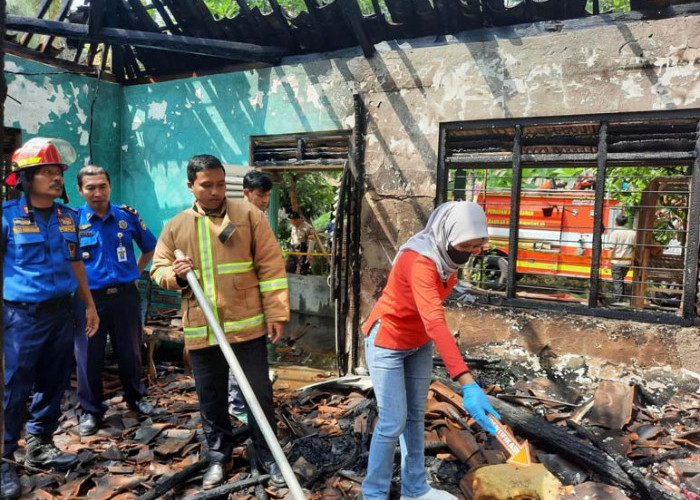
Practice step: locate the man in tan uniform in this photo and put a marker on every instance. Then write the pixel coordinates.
(299, 242)
(231, 247)
(622, 254)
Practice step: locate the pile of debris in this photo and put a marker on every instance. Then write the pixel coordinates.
(611, 440)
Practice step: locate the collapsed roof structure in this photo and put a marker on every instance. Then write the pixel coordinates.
(130, 39)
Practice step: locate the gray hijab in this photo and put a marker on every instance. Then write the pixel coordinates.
(451, 223)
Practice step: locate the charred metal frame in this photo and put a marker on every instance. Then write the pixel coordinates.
(345, 259)
(601, 158)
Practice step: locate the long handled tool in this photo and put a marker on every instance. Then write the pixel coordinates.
(268, 434)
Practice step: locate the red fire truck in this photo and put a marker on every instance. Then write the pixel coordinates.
(555, 235)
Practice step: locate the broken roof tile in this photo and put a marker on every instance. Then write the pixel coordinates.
(613, 404)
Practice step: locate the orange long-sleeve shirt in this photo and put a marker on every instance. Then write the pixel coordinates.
(412, 313)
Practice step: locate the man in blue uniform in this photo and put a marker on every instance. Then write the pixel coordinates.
(107, 236)
(42, 270)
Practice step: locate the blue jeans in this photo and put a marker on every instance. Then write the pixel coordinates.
(401, 379)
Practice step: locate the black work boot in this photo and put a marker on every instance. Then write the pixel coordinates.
(89, 424)
(276, 477)
(214, 475)
(11, 488)
(42, 453)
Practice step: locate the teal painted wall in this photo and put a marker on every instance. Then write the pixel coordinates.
(145, 134)
(164, 124)
(56, 103)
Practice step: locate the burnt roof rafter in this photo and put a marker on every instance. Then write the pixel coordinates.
(178, 43)
(127, 38)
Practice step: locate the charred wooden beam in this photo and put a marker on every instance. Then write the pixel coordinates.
(514, 211)
(21, 51)
(62, 14)
(552, 437)
(175, 43)
(282, 19)
(602, 162)
(223, 491)
(165, 484)
(352, 12)
(165, 15)
(692, 239)
(97, 16)
(43, 9)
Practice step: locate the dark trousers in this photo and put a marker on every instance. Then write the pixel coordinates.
(120, 318)
(298, 264)
(38, 355)
(618, 276)
(210, 371)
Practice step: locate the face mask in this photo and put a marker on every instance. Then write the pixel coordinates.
(456, 256)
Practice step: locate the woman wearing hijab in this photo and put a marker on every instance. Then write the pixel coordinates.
(400, 332)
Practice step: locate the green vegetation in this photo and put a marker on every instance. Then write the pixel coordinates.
(229, 8)
(624, 184)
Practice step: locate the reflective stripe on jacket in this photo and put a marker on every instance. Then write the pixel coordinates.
(239, 265)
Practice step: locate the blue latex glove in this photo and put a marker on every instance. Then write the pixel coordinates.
(477, 404)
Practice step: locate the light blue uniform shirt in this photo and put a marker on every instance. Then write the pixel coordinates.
(107, 245)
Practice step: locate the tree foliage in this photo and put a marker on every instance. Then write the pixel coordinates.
(314, 190)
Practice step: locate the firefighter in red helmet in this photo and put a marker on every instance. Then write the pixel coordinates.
(42, 272)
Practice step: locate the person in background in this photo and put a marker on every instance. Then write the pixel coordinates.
(622, 255)
(108, 233)
(299, 242)
(257, 188)
(232, 247)
(401, 330)
(42, 270)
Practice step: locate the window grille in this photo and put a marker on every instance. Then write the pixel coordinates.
(554, 191)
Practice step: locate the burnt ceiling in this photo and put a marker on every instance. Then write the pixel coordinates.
(142, 40)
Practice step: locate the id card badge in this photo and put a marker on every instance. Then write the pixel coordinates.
(121, 254)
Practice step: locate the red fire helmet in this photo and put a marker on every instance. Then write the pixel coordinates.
(38, 152)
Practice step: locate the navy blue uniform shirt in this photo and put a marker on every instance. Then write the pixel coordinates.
(38, 253)
(107, 245)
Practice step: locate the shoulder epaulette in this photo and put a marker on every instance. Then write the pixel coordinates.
(129, 209)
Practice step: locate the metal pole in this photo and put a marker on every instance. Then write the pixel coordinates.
(268, 433)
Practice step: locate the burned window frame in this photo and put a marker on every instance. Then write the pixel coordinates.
(343, 150)
(602, 159)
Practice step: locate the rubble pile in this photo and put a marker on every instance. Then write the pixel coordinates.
(601, 440)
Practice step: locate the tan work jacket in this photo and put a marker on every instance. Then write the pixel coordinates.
(239, 265)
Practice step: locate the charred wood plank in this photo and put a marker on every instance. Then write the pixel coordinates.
(175, 43)
(556, 439)
(223, 491)
(163, 486)
(662, 457)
